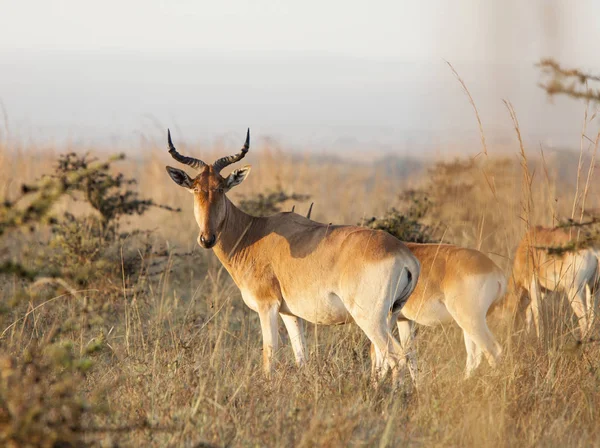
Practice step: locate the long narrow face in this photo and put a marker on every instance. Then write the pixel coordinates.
(208, 189)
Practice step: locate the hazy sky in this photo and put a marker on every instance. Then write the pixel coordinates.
(310, 73)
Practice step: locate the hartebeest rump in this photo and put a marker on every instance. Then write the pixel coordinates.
(456, 285)
(290, 266)
(536, 269)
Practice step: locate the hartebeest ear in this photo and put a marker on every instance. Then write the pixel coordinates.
(180, 177)
(237, 177)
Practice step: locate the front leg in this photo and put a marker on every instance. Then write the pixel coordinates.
(268, 323)
(295, 329)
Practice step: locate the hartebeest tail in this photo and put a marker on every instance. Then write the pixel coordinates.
(289, 266)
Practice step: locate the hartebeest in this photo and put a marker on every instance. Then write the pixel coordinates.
(536, 268)
(290, 266)
(456, 285)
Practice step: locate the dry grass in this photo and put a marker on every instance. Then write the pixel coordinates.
(176, 359)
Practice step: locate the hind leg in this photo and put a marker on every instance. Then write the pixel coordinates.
(406, 333)
(374, 365)
(578, 304)
(474, 355)
(379, 367)
(388, 351)
(593, 303)
(373, 301)
(485, 341)
(475, 329)
(590, 305)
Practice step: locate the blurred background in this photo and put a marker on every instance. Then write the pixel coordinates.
(335, 76)
(117, 329)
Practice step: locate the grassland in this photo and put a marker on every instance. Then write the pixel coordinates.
(166, 353)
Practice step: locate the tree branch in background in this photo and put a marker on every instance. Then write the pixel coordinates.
(588, 237)
(574, 83)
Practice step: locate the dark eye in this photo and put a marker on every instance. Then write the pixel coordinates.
(220, 190)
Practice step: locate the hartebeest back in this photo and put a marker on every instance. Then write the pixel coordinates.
(536, 269)
(290, 266)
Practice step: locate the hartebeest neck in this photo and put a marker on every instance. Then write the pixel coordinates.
(232, 237)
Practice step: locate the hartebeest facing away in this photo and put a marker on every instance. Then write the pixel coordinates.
(290, 266)
(456, 285)
(536, 269)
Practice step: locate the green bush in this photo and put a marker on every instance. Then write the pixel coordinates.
(265, 204)
(82, 249)
(406, 225)
(42, 398)
(109, 194)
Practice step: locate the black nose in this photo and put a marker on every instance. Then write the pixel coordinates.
(208, 243)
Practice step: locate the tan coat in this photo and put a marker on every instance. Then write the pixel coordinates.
(535, 269)
(456, 285)
(291, 266)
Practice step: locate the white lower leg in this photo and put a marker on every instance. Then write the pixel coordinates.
(590, 305)
(579, 308)
(474, 355)
(406, 334)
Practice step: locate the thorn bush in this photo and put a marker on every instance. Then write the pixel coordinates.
(406, 225)
(42, 388)
(269, 203)
(109, 194)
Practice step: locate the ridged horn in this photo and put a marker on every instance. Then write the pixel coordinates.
(225, 161)
(194, 163)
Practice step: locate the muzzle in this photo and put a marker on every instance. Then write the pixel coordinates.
(207, 243)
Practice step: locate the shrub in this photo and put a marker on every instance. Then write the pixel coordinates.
(39, 199)
(42, 399)
(109, 194)
(40, 402)
(44, 194)
(405, 225)
(265, 204)
(82, 249)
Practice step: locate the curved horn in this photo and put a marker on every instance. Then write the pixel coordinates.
(194, 163)
(225, 161)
